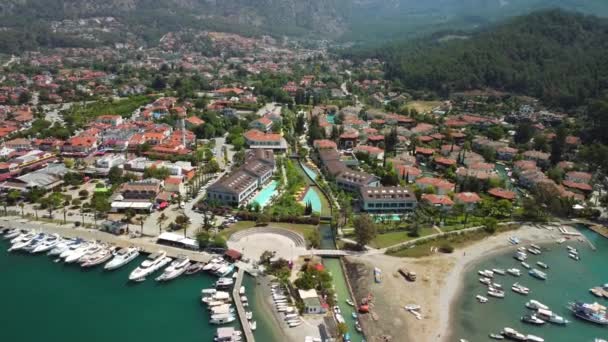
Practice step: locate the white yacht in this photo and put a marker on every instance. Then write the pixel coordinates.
(72, 249)
(517, 288)
(63, 246)
(154, 262)
(49, 243)
(22, 236)
(21, 241)
(122, 257)
(98, 258)
(482, 299)
(535, 305)
(486, 273)
(514, 272)
(82, 251)
(224, 283)
(222, 319)
(177, 268)
(11, 234)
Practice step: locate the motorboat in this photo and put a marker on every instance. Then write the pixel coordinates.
(534, 338)
(49, 243)
(223, 283)
(98, 258)
(177, 268)
(122, 257)
(534, 251)
(153, 263)
(294, 323)
(194, 268)
(349, 302)
(520, 256)
(253, 325)
(486, 281)
(497, 337)
(536, 273)
(12, 233)
(208, 291)
(481, 299)
(22, 241)
(574, 256)
(513, 334)
(221, 309)
(222, 319)
(77, 253)
(520, 289)
(358, 326)
(551, 317)
(532, 319)
(486, 273)
(514, 240)
(242, 290)
(72, 248)
(535, 305)
(594, 313)
(218, 296)
(23, 236)
(40, 238)
(496, 293)
(525, 265)
(514, 272)
(542, 264)
(499, 271)
(63, 246)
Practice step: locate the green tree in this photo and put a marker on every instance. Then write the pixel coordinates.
(160, 220)
(365, 229)
(202, 237)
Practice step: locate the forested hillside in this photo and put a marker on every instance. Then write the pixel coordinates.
(559, 57)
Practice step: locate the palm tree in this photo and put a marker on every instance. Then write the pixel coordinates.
(22, 205)
(162, 218)
(141, 219)
(82, 213)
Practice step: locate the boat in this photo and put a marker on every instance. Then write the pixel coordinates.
(532, 319)
(520, 256)
(486, 281)
(339, 318)
(597, 291)
(74, 255)
(354, 315)
(514, 272)
(49, 243)
(535, 305)
(224, 270)
(497, 337)
(253, 325)
(35, 242)
(594, 313)
(513, 334)
(208, 291)
(222, 319)
(177, 268)
(349, 302)
(481, 299)
(221, 309)
(525, 265)
(520, 289)
(63, 246)
(153, 263)
(358, 326)
(242, 290)
(551, 317)
(499, 271)
(194, 268)
(542, 264)
(22, 236)
(220, 296)
(536, 273)
(21, 241)
(122, 257)
(73, 247)
(535, 246)
(534, 338)
(534, 251)
(486, 273)
(228, 334)
(99, 258)
(514, 240)
(574, 256)
(224, 283)
(496, 293)
(293, 324)
(12, 233)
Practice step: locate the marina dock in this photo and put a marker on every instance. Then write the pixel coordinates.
(602, 230)
(239, 306)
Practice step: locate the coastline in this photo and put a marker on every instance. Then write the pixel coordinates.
(476, 254)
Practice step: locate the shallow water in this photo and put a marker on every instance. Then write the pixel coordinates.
(568, 280)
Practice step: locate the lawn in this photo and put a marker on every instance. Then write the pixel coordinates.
(423, 106)
(457, 241)
(304, 229)
(393, 238)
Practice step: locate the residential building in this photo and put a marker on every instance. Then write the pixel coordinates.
(256, 140)
(352, 181)
(262, 124)
(500, 193)
(441, 186)
(46, 178)
(312, 302)
(468, 199)
(441, 201)
(382, 199)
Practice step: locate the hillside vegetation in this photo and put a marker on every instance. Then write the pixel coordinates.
(559, 57)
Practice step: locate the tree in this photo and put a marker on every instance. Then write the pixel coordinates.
(495, 132)
(158, 83)
(202, 237)
(22, 205)
(141, 219)
(115, 175)
(365, 229)
(83, 193)
(219, 242)
(523, 133)
(558, 144)
(490, 224)
(160, 220)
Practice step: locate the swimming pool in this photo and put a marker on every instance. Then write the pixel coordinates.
(331, 119)
(309, 172)
(264, 196)
(313, 197)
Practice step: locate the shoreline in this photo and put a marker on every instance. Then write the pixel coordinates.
(478, 253)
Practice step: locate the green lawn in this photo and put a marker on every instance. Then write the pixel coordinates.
(304, 229)
(393, 238)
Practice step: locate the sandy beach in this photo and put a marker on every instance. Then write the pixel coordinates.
(439, 281)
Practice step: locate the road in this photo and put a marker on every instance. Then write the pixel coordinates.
(10, 61)
(269, 108)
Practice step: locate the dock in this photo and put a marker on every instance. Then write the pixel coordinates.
(602, 230)
(239, 306)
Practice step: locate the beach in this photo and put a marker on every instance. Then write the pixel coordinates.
(439, 281)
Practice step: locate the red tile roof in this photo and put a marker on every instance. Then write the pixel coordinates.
(437, 199)
(467, 197)
(502, 193)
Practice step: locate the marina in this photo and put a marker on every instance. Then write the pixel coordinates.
(544, 313)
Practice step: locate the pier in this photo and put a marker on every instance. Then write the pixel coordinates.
(239, 306)
(602, 230)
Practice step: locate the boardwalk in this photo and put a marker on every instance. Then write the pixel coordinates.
(239, 306)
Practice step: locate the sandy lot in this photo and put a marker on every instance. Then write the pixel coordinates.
(439, 279)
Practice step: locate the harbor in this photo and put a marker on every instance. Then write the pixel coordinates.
(101, 261)
(545, 302)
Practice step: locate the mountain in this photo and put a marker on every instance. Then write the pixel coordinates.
(559, 57)
(346, 20)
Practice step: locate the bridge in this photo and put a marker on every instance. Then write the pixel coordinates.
(330, 252)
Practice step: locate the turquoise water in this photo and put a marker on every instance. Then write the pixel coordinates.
(264, 196)
(568, 280)
(331, 119)
(390, 217)
(46, 301)
(313, 197)
(311, 173)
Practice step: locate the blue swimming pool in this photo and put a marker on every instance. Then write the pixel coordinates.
(309, 172)
(331, 119)
(264, 196)
(313, 197)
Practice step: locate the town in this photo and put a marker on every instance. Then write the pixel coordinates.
(282, 158)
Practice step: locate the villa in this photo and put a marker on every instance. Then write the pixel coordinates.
(383, 199)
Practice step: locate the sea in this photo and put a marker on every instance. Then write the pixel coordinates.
(568, 280)
(45, 301)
